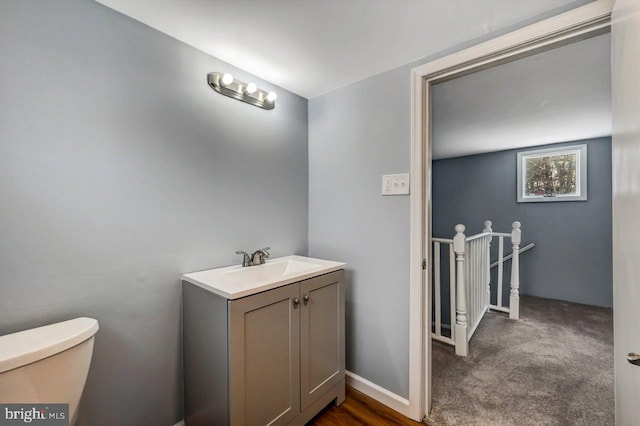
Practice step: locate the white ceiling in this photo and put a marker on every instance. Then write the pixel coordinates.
(313, 47)
(559, 95)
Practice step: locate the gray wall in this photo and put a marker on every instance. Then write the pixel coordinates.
(572, 259)
(353, 140)
(122, 170)
(356, 134)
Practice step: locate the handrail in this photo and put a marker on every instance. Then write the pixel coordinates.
(450, 240)
(470, 284)
(480, 235)
(509, 256)
(442, 240)
(501, 234)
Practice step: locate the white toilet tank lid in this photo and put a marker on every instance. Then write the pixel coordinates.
(24, 347)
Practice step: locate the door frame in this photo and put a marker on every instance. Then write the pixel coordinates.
(580, 23)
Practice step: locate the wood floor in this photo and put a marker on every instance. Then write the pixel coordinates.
(359, 409)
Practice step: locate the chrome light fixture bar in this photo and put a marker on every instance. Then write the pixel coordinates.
(245, 92)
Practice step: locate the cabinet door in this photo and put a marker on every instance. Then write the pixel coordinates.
(321, 335)
(264, 358)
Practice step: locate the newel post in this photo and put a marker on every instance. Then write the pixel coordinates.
(459, 242)
(514, 300)
(487, 228)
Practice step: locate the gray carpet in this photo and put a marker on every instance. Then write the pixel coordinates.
(552, 367)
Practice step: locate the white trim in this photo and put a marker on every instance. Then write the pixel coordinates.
(443, 325)
(580, 151)
(417, 375)
(380, 394)
(443, 339)
(565, 28)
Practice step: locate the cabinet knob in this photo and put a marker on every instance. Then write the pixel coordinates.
(296, 302)
(306, 299)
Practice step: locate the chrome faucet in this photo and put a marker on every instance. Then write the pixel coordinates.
(246, 261)
(257, 258)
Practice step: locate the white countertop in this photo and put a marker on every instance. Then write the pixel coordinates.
(233, 282)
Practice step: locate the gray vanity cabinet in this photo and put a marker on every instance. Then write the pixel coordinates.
(264, 357)
(321, 336)
(284, 360)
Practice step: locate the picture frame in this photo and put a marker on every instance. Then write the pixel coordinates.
(552, 174)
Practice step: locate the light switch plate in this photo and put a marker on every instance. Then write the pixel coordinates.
(395, 184)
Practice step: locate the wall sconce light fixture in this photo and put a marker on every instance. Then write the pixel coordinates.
(245, 92)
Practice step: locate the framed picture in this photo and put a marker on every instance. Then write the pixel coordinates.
(553, 174)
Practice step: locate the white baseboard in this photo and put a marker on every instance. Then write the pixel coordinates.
(380, 394)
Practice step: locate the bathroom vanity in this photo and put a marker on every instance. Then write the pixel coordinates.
(263, 344)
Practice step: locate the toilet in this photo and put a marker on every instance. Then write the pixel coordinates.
(47, 364)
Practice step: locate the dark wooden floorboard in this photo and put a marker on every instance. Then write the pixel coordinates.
(360, 410)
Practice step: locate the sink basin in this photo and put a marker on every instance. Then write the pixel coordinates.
(233, 282)
(271, 271)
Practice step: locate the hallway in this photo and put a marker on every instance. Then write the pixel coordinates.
(552, 367)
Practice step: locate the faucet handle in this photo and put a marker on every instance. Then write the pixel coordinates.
(246, 261)
(258, 256)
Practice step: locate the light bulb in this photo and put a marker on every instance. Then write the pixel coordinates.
(227, 79)
(251, 88)
(272, 96)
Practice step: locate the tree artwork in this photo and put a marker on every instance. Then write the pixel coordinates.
(551, 175)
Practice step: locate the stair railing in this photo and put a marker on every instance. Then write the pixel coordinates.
(470, 281)
(514, 297)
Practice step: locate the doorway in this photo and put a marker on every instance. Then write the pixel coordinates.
(521, 371)
(580, 23)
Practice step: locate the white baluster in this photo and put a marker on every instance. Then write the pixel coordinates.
(436, 287)
(480, 285)
(459, 242)
(478, 282)
(514, 300)
(468, 281)
(452, 291)
(500, 269)
(487, 228)
(472, 305)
